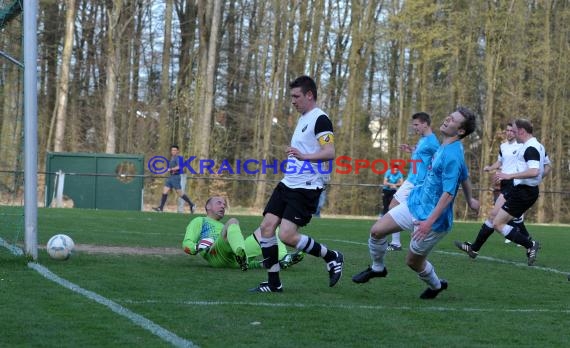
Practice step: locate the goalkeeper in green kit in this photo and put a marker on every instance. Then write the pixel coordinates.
(223, 245)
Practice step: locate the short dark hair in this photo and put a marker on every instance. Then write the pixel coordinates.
(306, 83)
(524, 124)
(470, 122)
(424, 117)
(174, 147)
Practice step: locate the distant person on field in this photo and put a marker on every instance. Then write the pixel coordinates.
(223, 245)
(173, 182)
(393, 179)
(323, 196)
(422, 155)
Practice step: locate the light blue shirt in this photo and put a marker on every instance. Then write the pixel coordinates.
(392, 178)
(425, 149)
(447, 171)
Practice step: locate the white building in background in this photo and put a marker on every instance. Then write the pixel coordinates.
(378, 134)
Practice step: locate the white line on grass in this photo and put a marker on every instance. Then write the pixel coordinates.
(345, 306)
(374, 307)
(12, 248)
(115, 307)
(486, 258)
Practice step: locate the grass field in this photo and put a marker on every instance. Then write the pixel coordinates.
(494, 300)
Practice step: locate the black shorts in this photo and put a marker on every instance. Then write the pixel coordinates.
(506, 186)
(519, 199)
(296, 205)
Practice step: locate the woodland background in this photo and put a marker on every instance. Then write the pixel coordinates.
(134, 76)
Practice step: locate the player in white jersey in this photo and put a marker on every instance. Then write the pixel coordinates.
(506, 162)
(295, 198)
(529, 170)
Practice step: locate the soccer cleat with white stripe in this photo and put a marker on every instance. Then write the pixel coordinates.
(532, 252)
(335, 268)
(394, 247)
(466, 247)
(265, 287)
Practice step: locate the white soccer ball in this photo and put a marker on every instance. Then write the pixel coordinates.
(60, 247)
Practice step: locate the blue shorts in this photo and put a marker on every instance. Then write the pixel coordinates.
(173, 182)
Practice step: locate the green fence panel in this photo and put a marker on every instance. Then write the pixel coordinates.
(97, 181)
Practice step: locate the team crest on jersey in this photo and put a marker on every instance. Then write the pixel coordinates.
(304, 128)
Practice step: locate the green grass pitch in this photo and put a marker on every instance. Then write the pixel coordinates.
(494, 300)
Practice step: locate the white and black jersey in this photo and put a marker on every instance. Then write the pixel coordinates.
(508, 156)
(305, 174)
(530, 155)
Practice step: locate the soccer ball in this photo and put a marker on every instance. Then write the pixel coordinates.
(60, 247)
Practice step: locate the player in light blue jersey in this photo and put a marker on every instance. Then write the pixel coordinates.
(428, 212)
(393, 179)
(422, 154)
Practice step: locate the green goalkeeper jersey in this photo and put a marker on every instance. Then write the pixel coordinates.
(221, 253)
(200, 228)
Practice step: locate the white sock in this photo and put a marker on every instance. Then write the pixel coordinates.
(428, 275)
(377, 249)
(396, 239)
(506, 230)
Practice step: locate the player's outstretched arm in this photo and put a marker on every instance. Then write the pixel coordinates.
(468, 192)
(189, 244)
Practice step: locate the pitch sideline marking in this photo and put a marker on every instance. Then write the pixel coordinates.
(487, 258)
(375, 307)
(115, 307)
(339, 306)
(345, 306)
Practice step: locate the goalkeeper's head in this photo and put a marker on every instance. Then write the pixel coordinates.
(216, 207)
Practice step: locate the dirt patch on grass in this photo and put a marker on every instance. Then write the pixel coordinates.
(105, 249)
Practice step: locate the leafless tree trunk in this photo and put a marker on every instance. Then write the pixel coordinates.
(209, 88)
(111, 70)
(60, 112)
(164, 119)
(51, 16)
(270, 102)
(546, 117)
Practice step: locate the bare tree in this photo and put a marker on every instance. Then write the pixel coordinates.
(164, 119)
(60, 112)
(111, 74)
